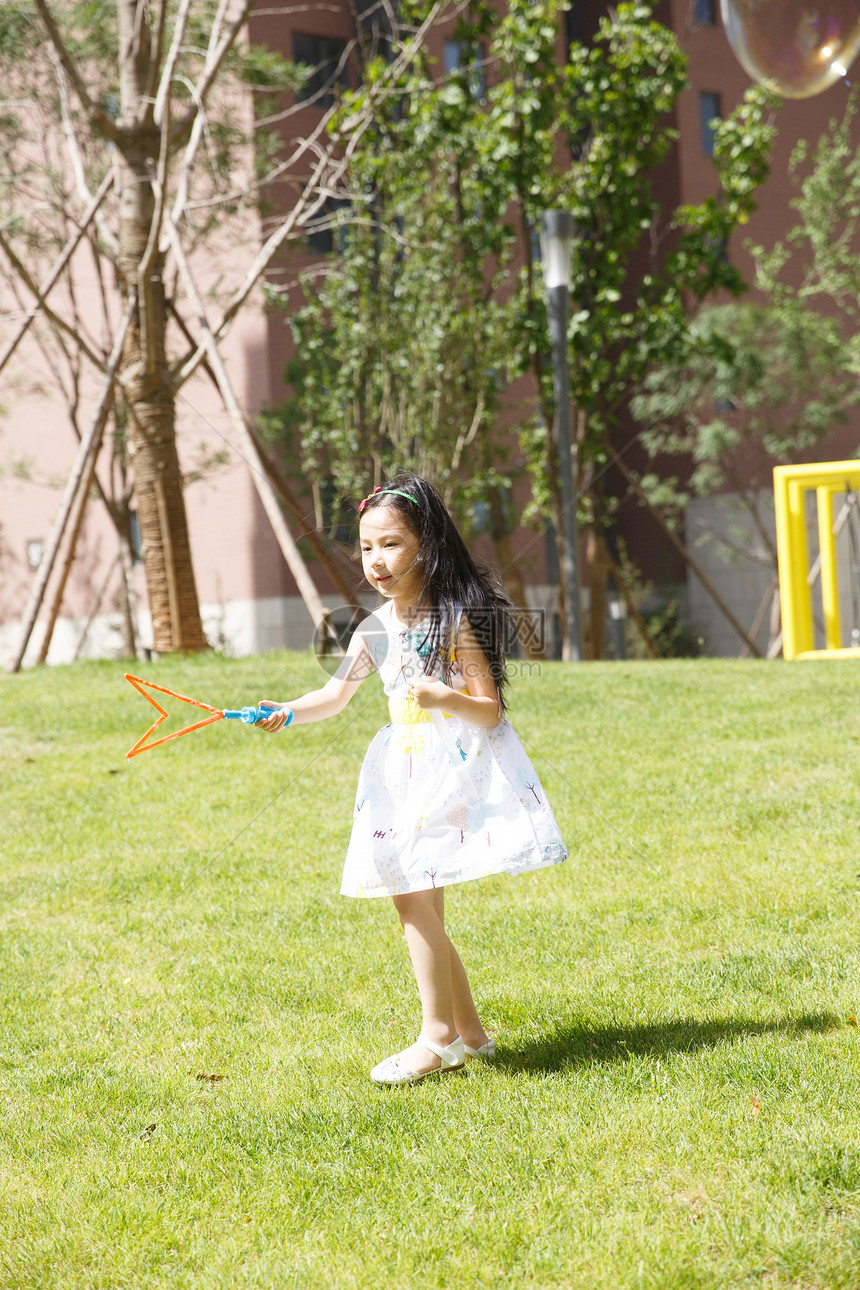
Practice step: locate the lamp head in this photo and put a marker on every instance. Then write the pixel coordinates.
(556, 242)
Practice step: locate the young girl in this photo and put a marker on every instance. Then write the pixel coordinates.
(446, 792)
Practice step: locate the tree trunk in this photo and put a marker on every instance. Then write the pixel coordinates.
(532, 642)
(598, 577)
(166, 550)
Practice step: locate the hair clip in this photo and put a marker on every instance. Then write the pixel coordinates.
(361, 505)
(380, 489)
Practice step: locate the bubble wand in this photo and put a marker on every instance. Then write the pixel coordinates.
(248, 716)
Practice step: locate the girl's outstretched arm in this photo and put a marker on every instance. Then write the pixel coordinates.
(331, 698)
(481, 706)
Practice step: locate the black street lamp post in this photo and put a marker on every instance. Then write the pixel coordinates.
(556, 246)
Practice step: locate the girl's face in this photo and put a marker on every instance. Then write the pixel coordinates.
(389, 555)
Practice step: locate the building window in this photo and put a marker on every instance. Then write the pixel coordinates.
(721, 246)
(373, 27)
(134, 536)
(460, 54)
(324, 235)
(323, 56)
(709, 112)
(705, 13)
(574, 28)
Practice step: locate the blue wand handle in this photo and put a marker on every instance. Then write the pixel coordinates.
(249, 716)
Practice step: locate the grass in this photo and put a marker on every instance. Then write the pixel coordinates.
(190, 1010)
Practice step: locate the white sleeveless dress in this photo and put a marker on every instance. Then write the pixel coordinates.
(440, 801)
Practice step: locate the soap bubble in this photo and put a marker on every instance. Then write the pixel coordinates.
(795, 47)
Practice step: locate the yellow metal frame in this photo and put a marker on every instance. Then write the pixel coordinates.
(790, 484)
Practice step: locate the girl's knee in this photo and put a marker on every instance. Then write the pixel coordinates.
(415, 906)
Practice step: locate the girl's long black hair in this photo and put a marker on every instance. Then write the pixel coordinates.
(452, 581)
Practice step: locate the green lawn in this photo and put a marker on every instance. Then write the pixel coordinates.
(190, 1010)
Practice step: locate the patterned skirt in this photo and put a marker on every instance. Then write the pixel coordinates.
(440, 802)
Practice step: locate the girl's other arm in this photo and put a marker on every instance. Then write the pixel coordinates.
(481, 706)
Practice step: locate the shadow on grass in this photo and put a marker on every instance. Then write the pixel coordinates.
(579, 1045)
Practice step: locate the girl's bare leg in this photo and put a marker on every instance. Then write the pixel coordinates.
(466, 1019)
(446, 999)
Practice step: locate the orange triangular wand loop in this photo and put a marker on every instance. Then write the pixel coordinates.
(142, 745)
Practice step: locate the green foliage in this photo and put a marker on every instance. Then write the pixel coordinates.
(402, 347)
(758, 385)
(204, 461)
(18, 28)
(620, 92)
(667, 631)
(615, 99)
(31, 122)
(90, 27)
(823, 248)
(742, 144)
(265, 70)
(625, 323)
(535, 444)
(454, 185)
(671, 635)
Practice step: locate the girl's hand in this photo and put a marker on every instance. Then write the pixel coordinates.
(279, 718)
(430, 694)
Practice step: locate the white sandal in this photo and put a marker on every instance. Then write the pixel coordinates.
(394, 1071)
(487, 1050)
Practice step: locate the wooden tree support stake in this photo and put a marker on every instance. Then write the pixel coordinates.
(84, 465)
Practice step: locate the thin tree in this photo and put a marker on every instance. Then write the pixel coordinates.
(135, 114)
